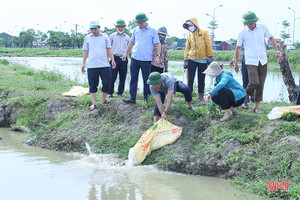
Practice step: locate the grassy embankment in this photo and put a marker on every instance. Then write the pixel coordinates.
(294, 56)
(270, 149)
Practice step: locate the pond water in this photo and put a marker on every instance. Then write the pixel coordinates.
(31, 173)
(274, 89)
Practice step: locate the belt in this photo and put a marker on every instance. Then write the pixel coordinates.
(118, 56)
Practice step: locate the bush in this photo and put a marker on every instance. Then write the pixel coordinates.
(4, 62)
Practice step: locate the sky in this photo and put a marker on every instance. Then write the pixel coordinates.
(62, 15)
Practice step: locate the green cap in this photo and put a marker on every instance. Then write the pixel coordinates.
(155, 78)
(141, 17)
(163, 30)
(249, 17)
(120, 22)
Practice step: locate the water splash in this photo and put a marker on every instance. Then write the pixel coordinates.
(88, 148)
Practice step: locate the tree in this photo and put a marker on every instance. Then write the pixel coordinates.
(213, 25)
(171, 40)
(284, 35)
(132, 24)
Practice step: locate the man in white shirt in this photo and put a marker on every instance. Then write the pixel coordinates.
(252, 38)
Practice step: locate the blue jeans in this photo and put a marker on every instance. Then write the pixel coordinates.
(135, 66)
(121, 68)
(201, 77)
(178, 87)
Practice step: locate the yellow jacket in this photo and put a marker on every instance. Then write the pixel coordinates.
(198, 44)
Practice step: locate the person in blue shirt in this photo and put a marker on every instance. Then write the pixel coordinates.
(227, 93)
(142, 41)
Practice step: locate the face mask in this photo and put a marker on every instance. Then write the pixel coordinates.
(161, 38)
(192, 28)
(120, 32)
(212, 76)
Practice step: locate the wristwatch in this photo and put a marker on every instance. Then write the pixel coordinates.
(165, 111)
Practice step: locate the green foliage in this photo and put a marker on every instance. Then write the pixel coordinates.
(48, 75)
(290, 116)
(83, 101)
(4, 62)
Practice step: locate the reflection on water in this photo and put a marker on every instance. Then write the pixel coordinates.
(30, 173)
(275, 89)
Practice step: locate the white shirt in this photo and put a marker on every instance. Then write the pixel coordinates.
(254, 44)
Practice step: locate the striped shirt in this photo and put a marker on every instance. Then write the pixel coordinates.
(143, 43)
(119, 43)
(97, 50)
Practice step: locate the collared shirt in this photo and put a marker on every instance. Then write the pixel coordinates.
(163, 59)
(254, 44)
(143, 43)
(167, 84)
(97, 50)
(119, 43)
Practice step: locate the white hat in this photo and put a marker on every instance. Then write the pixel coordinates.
(213, 69)
(94, 24)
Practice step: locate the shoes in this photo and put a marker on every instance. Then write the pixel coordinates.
(129, 101)
(120, 95)
(110, 95)
(191, 108)
(201, 96)
(245, 105)
(256, 111)
(93, 107)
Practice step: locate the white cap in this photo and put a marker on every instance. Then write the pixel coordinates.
(94, 24)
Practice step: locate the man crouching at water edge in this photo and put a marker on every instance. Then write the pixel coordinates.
(97, 48)
(166, 84)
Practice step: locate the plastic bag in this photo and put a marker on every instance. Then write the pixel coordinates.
(278, 112)
(76, 91)
(159, 135)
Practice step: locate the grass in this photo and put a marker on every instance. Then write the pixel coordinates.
(269, 150)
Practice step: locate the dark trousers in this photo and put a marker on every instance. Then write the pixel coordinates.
(157, 69)
(245, 76)
(298, 98)
(93, 78)
(178, 87)
(225, 99)
(201, 77)
(135, 66)
(121, 68)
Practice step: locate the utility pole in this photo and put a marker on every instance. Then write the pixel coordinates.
(293, 25)
(76, 25)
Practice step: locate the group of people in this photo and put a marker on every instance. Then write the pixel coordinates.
(148, 51)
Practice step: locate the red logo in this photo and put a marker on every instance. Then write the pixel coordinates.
(175, 130)
(273, 186)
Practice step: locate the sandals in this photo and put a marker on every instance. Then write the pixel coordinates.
(105, 102)
(225, 118)
(93, 107)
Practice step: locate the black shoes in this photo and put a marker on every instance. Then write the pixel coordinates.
(129, 101)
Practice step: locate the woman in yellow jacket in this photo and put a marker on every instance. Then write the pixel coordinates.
(198, 53)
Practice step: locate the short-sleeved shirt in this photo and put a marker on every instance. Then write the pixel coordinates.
(254, 44)
(119, 43)
(143, 43)
(97, 50)
(167, 84)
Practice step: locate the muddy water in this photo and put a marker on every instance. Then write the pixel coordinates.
(30, 173)
(275, 89)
